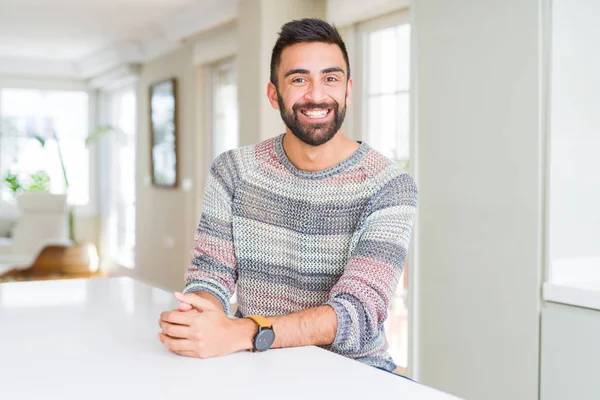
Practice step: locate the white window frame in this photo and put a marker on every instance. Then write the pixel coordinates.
(103, 147)
(211, 76)
(361, 71)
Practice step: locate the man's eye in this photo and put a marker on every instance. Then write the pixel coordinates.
(298, 80)
(331, 79)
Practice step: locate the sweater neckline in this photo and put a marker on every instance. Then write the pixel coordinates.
(326, 173)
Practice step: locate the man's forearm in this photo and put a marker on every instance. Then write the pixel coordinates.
(314, 326)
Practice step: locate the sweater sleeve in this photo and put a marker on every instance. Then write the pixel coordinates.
(213, 268)
(362, 295)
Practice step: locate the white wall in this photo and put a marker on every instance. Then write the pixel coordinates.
(478, 169)
(570, 353)
(166, 218)
(575, 130)
(344, 12)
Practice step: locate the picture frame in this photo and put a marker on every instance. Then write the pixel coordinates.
(163, 133)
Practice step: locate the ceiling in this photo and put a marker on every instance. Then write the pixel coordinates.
(68, 37)
(71, 29)
(90, 39)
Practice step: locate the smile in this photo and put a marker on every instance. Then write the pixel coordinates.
(316, 113)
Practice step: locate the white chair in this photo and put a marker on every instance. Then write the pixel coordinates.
(43, 220)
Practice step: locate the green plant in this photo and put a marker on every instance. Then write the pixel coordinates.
(14, 185)
(40, 182)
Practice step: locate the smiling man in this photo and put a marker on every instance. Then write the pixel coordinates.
(311, 228)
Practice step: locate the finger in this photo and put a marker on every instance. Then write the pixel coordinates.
(176, 331)
(177, 317)
(186, 353)
(195, 301)
(176, 344)
(182, 308)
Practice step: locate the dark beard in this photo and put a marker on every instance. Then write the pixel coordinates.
(308, 134)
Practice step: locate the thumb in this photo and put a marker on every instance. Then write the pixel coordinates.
(195, 301)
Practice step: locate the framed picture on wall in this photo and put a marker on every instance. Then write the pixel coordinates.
(163, 132)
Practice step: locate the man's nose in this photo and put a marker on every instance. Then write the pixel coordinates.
(316, 92)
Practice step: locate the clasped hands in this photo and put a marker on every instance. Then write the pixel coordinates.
(200, 329)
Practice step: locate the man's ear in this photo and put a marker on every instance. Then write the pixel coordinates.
(272, 95)
(349, 91)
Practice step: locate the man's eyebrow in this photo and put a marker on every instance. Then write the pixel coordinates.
(332, 69)
(307, 72)
(296, 71)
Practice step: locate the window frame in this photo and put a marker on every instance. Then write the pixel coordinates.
(360, 90)
(211, 78)
(106, 96)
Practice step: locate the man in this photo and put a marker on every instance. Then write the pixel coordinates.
(311, 227)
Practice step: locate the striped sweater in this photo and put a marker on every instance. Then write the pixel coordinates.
(288, 240)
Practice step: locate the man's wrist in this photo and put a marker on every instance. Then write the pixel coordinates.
(245, 329)
(210, 297)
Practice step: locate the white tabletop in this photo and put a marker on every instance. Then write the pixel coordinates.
(97, 339)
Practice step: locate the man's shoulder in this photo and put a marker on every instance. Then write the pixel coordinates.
(388, 179)
(241, 160)
(380, 168)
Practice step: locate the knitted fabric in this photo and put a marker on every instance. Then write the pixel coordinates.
(289, 240)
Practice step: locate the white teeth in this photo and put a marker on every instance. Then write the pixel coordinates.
(315, 114)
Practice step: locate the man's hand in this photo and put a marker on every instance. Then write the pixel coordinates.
(200, 329)
(185, 307)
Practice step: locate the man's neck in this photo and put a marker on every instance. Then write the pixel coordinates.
(313, 159)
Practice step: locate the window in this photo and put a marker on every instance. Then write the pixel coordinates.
(119, 160)
(383, 68)
(224, 130)
(386, 78)
(60, 119)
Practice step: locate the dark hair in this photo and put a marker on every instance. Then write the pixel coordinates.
(305, 30)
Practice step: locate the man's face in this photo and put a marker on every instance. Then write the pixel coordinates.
(312, 91)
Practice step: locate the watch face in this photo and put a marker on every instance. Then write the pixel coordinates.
(264, 339)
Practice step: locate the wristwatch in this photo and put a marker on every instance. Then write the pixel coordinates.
(265, 336)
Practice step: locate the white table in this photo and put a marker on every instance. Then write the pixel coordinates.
(97, 339)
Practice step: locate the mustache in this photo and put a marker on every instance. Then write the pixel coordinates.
(299, 106)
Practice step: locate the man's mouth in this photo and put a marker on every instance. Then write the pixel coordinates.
(316, 113)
